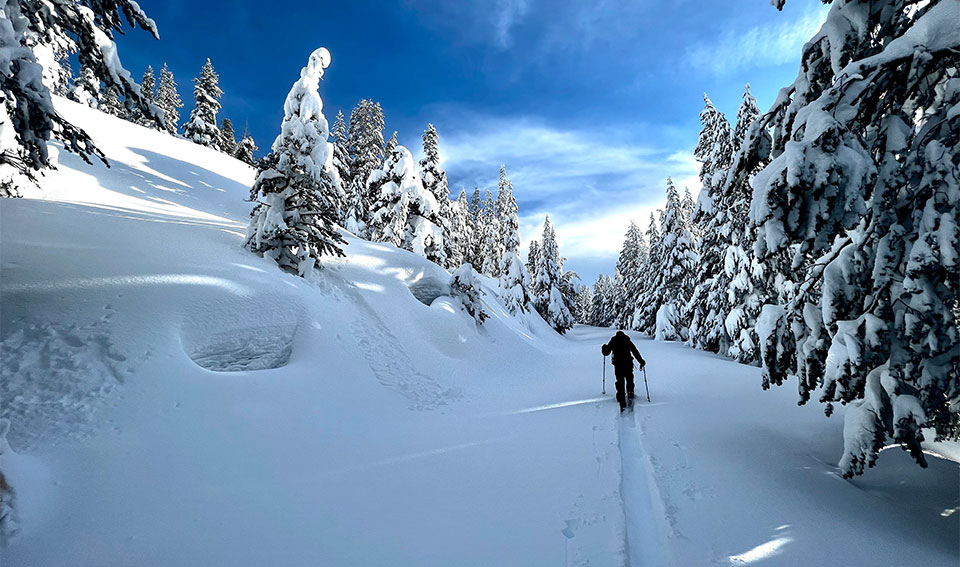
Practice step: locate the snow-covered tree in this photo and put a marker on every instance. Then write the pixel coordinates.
(86, 88)
(148, 87)
(739, 289)
(245, 148)
(202, 128)
(712, 216)
(402, 211)
(294, 221)
(459, 237)
(366, 150)
(647, 302)
(584, 311)
(475, 255)
(491, 242)
(514, 280)
(435, 181)
(424, 233)
(863, 192)
(506, 209)
(168, 100)
(28, 119)
(548, 286)
(629, 270)
(341, 155)
(466, 286)
(228, 138)
(674, 276)
(533, 259)
(569, 287)
(602, 311)
(390, 186)
(390, 145)
(112, 105)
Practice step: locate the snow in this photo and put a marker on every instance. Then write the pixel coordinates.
(176, 400)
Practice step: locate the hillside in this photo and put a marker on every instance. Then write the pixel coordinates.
(176, 400)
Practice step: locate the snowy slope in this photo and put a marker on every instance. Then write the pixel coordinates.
(175, 400)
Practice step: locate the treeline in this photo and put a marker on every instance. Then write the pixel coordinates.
(201, 126)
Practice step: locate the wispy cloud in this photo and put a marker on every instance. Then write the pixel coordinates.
(508, 14)
(591, 183)
(759, 46)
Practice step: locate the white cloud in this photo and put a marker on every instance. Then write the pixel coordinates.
(760, 46)
(591, 183)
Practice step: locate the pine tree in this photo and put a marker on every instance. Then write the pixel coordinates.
(583, 314)
(245, 148)
(389, 208)
(675, 273)
(533, 259)
(629, 270)
(148, 87)
(28, 118)
(402, 210)
(644, 314)
(168, 100)
(294, 223)
(713, 215)
(202, 128)
(435, 181)
(569, 288)
(514, 280)
(228, 139)
(466, 286)
(86, 88)
(862, 192)
(602, 314)
(492, 237)
(424, 234)
(475, 255)
(390, 145)
(64, 75)
(548, 287)
(111, 104)
(506, 211)
(689, 209)
(459, 238)
(746, 291)
(341, 158)
(366, 150)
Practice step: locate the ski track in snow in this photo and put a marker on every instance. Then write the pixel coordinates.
(390, 363)
(648, 524)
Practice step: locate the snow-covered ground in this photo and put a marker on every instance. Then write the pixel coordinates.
(176, 400)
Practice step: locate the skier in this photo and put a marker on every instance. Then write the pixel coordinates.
(624, 351)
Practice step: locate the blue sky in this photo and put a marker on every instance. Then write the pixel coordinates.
(591, 105)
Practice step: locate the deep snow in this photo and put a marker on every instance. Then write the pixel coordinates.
(176, 400)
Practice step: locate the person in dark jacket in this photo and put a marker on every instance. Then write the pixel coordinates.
(624, 351)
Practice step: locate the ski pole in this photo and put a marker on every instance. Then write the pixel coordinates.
(645, 385)
(604, 389)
